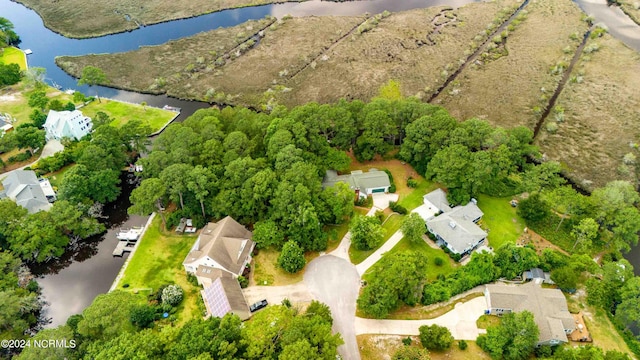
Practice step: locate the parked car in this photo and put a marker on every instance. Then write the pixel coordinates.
(259, 305)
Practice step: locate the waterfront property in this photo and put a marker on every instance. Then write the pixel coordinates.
(548, 306)
(456, 228)
(225, 245)
(363, 183)
(67, 124)
(23, 187)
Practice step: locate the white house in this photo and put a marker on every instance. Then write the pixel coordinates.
(70, 124)
(225, 245)
(363, 183)
(456, 228)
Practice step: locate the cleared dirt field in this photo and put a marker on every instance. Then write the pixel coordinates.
(84, 18)
(601, 116)
(504, 91)
(156, 68)
(403, 46)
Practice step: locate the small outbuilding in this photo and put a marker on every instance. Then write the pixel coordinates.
(362, 183)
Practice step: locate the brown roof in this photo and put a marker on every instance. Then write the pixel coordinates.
(549, 307)
(226, 242)
(223, 296)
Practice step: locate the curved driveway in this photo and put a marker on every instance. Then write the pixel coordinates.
(335, 282)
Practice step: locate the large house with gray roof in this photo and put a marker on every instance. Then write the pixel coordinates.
(456, 228)
(548, 306)
(67, 124)
(225, 245)
(23, 187)
(362, 183)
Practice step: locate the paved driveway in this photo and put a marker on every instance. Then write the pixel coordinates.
(296, 293)
(381, 202)
(461, 321)
(335, 282)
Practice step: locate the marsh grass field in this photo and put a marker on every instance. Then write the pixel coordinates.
(324, 59)
(84, 19)
(504, 91)
(600, 124)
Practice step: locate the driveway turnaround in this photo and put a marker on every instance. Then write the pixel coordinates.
(381, 202)
(296, 293)
(461, 321)
(335, 282)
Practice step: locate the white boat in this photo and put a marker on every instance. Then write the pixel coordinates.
(129, 235)
(28, 51)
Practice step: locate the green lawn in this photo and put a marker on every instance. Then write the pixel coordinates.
(501, 220)
(11, 55)
(415, 198)
(56, 177)
(432, 270)
(158, 261)
(391, 225)
(123, 112)
(337, 232)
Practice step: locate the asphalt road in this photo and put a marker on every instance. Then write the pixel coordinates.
(335, 282)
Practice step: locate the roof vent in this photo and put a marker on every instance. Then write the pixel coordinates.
(452, 224)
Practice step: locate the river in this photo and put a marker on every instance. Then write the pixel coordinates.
(72, 282)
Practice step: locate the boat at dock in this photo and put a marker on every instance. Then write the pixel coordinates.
(171, 108)
(130, 235)
(123, 247)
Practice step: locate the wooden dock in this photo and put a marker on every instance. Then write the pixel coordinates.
(122, 247)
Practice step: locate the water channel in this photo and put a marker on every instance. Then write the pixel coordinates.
(71, 283)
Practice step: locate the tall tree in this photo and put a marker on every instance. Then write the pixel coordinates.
(91, 76)
(30, 137)
(435, 337)
(291, 257)
(514, 338)
(175, 179)
(199, 181)
(366, 232)
(147, 198)
(413, 227)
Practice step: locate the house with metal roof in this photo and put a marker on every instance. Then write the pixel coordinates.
(23, 187)
(456, 228)
(67, 124)
(225, 245)
(548, 306)
(362, 183)
(224, 296)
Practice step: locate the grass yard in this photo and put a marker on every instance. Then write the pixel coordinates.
(11, 55)
(602, 331)
(488, 320)
(123, 112)
(108, 17)
(56, 177)
(158, 261)
(382, 347)
(504, 225)
(391, 225)
(432, 270)
(265, 270)
(14, 101)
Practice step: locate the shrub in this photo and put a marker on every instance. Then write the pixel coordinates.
(392, 188)
(435, 337)
(407, 341)
(291, 257)
(172, 295)
(552, 127)
(412, 183)
(462, 344)
(393, 205)
(142, 316)
(192, 279)
(438, 261)
(379, 215)
(244, 282)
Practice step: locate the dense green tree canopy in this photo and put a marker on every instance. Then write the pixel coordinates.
(514, 338)
(366, 232)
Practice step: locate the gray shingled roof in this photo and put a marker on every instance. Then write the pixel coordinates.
(23, 187)
(459, 233)
(226, 242)
(439, 199)
(470, 211)
(357, 179)
(548, 306)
